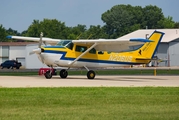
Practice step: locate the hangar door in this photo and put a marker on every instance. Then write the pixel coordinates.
(22, 60)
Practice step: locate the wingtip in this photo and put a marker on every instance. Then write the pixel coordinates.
(9, 36)
(140, 40)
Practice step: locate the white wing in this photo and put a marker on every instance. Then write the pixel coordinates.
(47, 40)
(113, 45)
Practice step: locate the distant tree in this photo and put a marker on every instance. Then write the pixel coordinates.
(3, 34)
(151, 16)
(176, 25)
(123, 19)
(24, 33)
(166, 23)
(77, 32)
(119, 20)
(95, 32)
(10, 31)
(116, 19)
(50, 27)
(34, 29)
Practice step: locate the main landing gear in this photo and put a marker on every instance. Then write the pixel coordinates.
(90, 74)
(64, 73)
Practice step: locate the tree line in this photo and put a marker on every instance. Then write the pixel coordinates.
(118, 21)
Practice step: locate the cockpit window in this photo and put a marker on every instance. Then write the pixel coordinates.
(100, 52)
(69, 45)
(80, 48)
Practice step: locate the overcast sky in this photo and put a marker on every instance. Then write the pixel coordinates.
(19, 14)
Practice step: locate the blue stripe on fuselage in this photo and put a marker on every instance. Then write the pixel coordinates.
(54, 47)
(87, 60)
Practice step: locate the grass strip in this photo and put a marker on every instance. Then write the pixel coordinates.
(90, 103)
(99, 72)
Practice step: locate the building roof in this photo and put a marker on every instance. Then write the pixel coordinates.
(170, 34)
(16, 43)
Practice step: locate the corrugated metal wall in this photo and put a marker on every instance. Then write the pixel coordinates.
(174, 53)
(162, 54)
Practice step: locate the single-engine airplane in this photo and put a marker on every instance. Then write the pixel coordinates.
(93, 53)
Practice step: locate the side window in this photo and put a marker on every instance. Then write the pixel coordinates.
(100, 52)
(92, 51)
(80, 48)
(70, 45)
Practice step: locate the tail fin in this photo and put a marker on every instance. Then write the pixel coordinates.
(147, 51)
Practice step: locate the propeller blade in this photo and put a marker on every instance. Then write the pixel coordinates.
(37, 51)
(40, 41)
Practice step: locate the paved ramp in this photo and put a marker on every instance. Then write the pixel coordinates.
(82, 81)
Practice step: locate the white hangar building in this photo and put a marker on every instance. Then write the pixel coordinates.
(168, 50)
(20, 51)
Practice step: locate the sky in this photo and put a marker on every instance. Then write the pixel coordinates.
(19, 14)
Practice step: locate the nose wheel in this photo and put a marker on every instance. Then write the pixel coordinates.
(48, 75)
(91, 74)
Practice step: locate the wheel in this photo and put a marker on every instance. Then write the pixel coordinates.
(63, 73)
(48, 75)
(17, 67)
(91, 74)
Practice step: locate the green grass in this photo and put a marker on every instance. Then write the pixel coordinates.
(94, 103)
(100, 72)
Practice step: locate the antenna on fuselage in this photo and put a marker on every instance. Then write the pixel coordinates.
(90, 36)
(78, 36)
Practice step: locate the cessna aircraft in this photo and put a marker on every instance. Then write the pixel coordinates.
(93, 53)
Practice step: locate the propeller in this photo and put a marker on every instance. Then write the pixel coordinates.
(38, 50)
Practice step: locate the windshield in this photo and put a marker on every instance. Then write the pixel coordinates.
(63, 43)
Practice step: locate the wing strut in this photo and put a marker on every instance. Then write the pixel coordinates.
(71, 63)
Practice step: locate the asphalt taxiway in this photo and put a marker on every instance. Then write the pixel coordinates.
(82, 81)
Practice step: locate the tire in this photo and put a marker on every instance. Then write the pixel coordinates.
(91, 74)
(48, 75)
(63, 73)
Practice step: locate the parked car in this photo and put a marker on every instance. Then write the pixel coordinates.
(11, 64)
